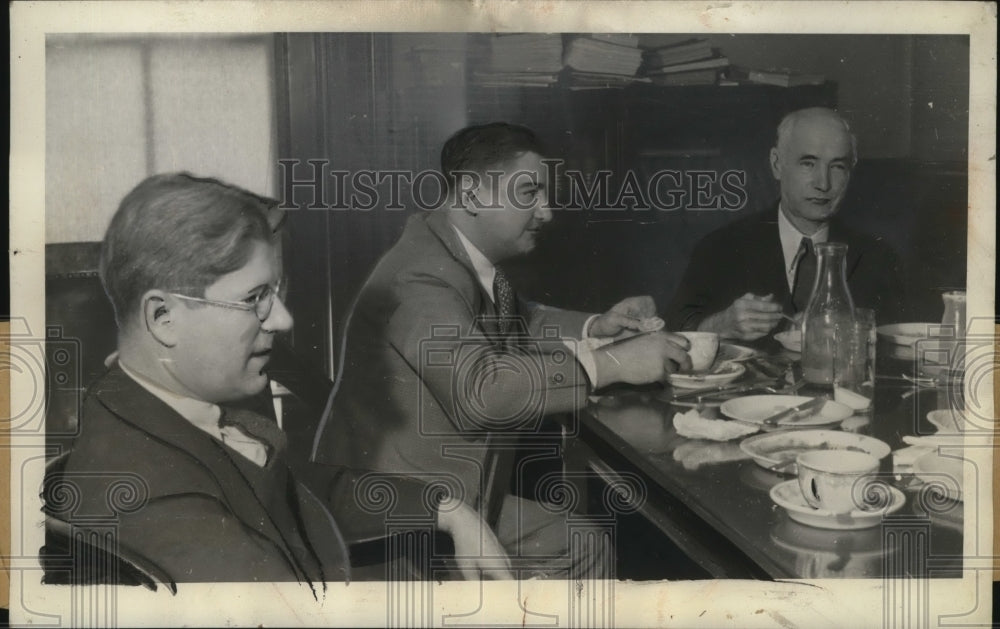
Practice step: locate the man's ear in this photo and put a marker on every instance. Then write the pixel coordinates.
(159, 313)
(775, 161)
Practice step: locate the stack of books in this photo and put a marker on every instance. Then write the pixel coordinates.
(622, 39)
(782, 78)
(522, 59)
(687, 62)
(608, 59)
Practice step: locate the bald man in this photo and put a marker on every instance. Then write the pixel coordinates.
(744, 276)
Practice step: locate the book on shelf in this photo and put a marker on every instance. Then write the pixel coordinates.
(781, 78)
(600, 80)
(682, 52)
(704, 64)
(622, 39)
(693, 77)
(590, 55)
(514, 79)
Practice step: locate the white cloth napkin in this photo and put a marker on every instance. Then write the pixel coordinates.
(693, 426)
(934, 441)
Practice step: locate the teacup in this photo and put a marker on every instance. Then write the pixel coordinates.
(835, 480)
(704, 347)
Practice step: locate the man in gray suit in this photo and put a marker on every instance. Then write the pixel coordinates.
(440, 351)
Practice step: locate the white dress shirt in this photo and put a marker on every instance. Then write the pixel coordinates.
(791, 238)
(205, 416)
(486, 271)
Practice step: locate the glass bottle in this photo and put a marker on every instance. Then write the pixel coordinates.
(954, 311)
(829, 317)
(953, 327)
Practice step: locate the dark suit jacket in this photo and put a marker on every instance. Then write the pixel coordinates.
(745, 256)
(425, 371)
(203, 513)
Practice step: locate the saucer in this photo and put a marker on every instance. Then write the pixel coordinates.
(906, 340)
(724, 374)
(790, 340)
(788, 496)
(729, 353)
(947, 421)
(774, 448)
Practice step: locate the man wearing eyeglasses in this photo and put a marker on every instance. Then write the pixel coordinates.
(193, 269)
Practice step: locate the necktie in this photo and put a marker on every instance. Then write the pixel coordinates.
(503, 297)
(252, 435)
(805, 274)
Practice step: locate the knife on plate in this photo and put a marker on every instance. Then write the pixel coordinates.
(742, 388)
(797, 410)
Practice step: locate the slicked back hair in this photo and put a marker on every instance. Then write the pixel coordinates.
(482, 147)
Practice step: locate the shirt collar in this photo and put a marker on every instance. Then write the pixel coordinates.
(486, 271)
(204, 415)
(791, 238)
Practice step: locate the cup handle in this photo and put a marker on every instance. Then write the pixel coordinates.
(807, 485)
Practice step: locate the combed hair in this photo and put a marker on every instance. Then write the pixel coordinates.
(179, 233)
(788, 123)
(478, 148)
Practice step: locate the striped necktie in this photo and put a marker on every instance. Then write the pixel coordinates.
(805, 274)
(503, 297)
(252, 435)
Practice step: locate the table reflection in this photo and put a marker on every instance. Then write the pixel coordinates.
(727, 491)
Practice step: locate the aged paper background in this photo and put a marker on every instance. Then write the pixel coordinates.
(701, 604)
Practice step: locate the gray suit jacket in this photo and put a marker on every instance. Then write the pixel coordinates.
(426, 376)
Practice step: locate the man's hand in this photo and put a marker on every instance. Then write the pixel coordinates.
(478, 553)
(748, 318)
(635, 314)
(642, 360)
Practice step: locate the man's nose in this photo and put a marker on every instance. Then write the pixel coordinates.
(821, 179)
(544, 211)
(279, 319)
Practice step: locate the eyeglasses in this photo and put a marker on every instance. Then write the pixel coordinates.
(259, 303)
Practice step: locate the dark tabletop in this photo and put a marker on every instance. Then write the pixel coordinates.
(716, 499)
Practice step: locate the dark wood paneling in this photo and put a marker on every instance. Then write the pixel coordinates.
(360, 101)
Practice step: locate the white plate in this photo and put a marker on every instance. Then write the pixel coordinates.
(724, 374)
(947, 420)
(942, 473)
(788, 496)
(790, 340)
(733, 353)
(756, 408)
(903, 338)
(906, 333)
(770, 449)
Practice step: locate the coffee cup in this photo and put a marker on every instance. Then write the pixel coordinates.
(704, 347)
(835, 480)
